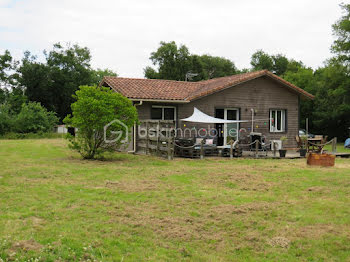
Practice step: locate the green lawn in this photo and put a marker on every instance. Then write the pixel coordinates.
(56, 207)
(340, 148)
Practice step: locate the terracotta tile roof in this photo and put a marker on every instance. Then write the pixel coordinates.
(156, 89)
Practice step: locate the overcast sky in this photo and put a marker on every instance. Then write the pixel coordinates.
(121, 34)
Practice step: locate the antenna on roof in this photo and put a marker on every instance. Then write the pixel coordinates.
(189, 76)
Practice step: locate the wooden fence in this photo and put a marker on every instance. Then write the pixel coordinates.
(156, 137)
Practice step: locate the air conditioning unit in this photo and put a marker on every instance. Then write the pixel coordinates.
(278, 144)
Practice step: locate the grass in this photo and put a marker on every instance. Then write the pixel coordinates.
(56, 207)
(340, 148)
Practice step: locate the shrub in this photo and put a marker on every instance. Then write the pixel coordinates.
(34, 118)
(6, 120)
(95, 108)
(39, 135)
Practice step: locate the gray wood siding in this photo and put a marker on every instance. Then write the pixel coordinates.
(261, 94)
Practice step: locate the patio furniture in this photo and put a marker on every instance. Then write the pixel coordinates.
(258, 143)
(191, 147)
(315, 144)
(236, 151)
(254, 136)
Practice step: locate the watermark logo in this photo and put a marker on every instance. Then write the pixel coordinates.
(117, 135)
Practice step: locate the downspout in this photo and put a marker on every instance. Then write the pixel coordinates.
(134, 131)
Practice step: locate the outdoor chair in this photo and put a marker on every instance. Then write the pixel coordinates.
(209, 146)
(299, 142)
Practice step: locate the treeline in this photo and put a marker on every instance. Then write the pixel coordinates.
(52, 82)
(328, 114)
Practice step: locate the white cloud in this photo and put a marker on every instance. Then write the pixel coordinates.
(121, 34)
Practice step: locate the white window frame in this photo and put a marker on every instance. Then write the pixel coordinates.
(162, 107)
(225, 125)
(277, 128)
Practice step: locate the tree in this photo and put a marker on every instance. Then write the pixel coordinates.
(6, 119)
(280, 64)
(15, 100)
(7, 64)
(3, 95)
(34, 118)
(261, 60)
(54, 82)
(277, 64)
(36, 78)
(94, 109)
(151, 73)
(69, 68)
(214, 66)
(341, 29)
(98, 74)
(304, 78)
(173, 63)
(332, 103)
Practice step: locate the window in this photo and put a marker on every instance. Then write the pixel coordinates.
(157, 113)
(163, 113)
(277, 120)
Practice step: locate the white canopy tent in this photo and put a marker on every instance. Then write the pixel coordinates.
(199, 117)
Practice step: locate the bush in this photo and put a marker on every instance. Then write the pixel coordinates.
(40, 135)
(95, 108)
(6, 120)
(33, 118)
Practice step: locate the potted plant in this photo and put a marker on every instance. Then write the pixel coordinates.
(302, 150)
(283, 151)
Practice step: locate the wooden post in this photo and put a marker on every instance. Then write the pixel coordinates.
(231, 149)
(169, 149)
(256, 148)
(274, 148)
(202, 149)
(147, 138)
(334, 145)
(158, 152)
(172, 147)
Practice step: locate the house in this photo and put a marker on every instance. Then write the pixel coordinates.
(269, 103)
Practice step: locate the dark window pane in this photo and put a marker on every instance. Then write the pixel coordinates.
(279, 120)
(231, 114)
(219, 113)
(169, 114)
(156, 113)
(273, 120)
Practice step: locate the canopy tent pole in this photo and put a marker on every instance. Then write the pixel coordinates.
(252, 110)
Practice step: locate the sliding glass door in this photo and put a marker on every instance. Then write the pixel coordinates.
(227, 132)
(231, 129)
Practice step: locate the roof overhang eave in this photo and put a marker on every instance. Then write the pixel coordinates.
(160, 100)
(302, 94)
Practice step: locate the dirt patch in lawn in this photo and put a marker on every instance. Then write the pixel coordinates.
(320, 230)
(245, 180)
(241, 209)
(26, 245)
(279, 242)
(134, 185)
(178, 227)
(318, 189)
(37, 222)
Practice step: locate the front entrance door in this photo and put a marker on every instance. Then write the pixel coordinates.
(231, 130)
(227, 132)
